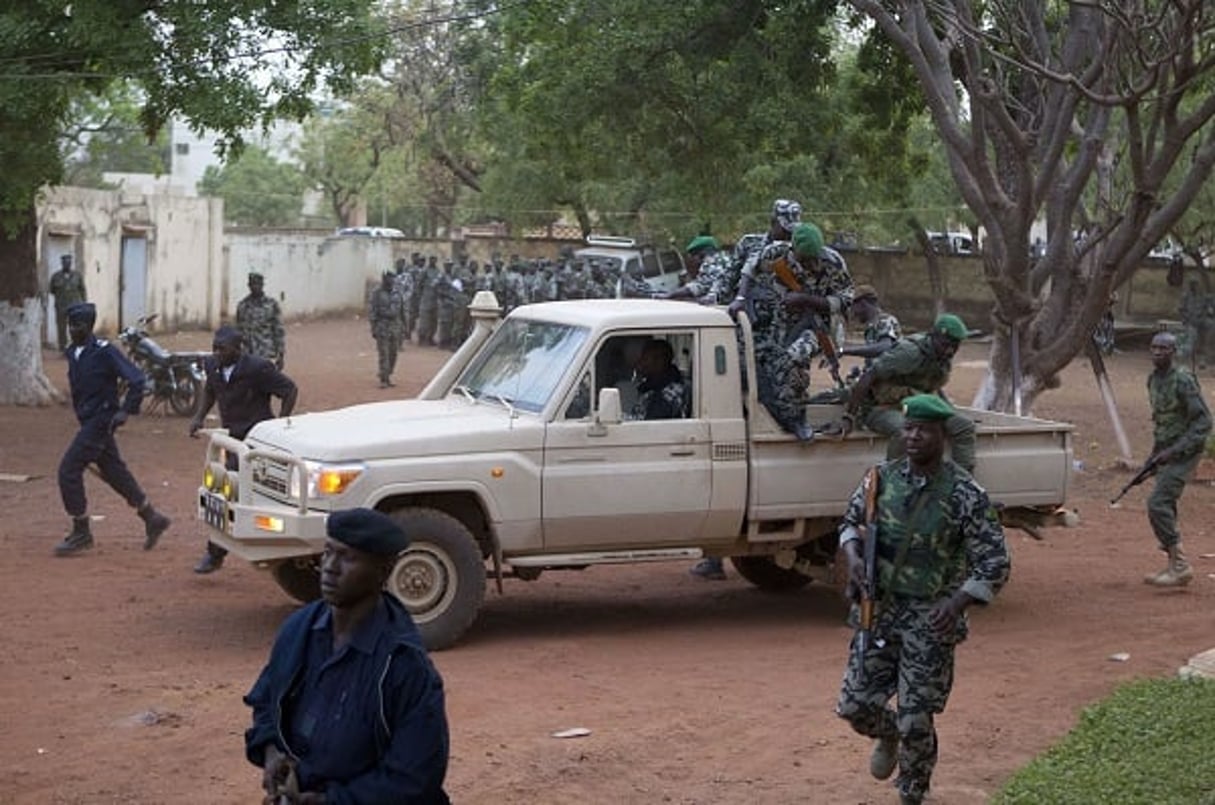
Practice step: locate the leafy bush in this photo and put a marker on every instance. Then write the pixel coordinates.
(1152, 742)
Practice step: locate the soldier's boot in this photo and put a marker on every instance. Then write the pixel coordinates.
(1177, 574)
(154, 524)
(80, 538)
(212, 560)
(885, 757)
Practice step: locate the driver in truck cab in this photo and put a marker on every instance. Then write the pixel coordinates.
(661, 390)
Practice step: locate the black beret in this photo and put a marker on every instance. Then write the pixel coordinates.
(367, 530)
(227, 334)
(82, 310)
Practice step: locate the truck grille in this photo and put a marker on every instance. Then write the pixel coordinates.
(271, 476)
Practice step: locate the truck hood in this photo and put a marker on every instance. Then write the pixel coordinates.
(399, 429)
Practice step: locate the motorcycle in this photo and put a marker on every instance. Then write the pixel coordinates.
(173, 378)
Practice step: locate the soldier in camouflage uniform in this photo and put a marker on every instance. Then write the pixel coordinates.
(1181, 423)
(261, 320)
(919, 364)
(445, 308)
(67, 286)
(940, 549)
(661, 391)
(386, 314)
(413, 299)
(824, 291)
(428, 304)
(711, 281)
(882, 330)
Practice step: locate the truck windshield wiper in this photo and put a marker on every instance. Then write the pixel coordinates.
(467, 392)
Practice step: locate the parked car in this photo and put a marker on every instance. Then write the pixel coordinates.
(661, 268)
(952, 243)
(369, 232)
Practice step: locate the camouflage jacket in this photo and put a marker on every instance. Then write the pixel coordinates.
(935, 534)
(68, 288)
(715, 282)
(909, 367)
(261, 322)
(1180, 417)
(662, 397)
(884, 326)
(386, 313)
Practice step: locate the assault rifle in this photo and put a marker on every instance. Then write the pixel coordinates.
(1147, 471)
(782, 267)
(864, 634)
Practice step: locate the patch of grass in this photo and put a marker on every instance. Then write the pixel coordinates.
(1152, 742)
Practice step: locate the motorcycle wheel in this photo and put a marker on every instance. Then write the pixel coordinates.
(185, 397)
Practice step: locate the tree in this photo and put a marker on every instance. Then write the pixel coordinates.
(104, 134)
(1077, 112)
(225, 65)
(257, 189)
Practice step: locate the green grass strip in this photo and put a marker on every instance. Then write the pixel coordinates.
(1152, 742)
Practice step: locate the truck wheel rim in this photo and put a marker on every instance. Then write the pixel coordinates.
(425, 581)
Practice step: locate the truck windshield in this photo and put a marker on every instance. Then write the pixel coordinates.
(523, 363)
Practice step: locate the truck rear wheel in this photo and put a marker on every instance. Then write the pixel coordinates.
(765, 574)
(299, 578)
(441, 576)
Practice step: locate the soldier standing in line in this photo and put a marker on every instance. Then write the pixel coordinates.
(940, 549)
(919, 364)
(414, 300)
(94, 369)
(386, 314)
(1191, 310)
(261, 320)
(463, 285)
(445, 296)
(1181, 423)
(67, 286)
(428, 305)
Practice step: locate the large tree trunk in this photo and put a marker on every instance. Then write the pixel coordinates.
(22, 381)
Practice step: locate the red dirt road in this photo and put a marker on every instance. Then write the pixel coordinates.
(123, 674)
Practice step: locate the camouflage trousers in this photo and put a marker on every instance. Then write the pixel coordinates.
(443, 325)
(1162, 503)
(426, 325)
(888, 421)
(909, 661)
(781, 385)
(386, 346)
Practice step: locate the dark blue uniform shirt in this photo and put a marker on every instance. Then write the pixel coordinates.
(94, 379)
(244, 398)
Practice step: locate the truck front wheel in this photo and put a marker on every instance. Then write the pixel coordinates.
(299, 578)
(441, 576)
(765, 574)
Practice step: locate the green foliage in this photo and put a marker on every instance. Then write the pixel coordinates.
(1150, 743)
(225, 65)
(257, 189)
(106, 135)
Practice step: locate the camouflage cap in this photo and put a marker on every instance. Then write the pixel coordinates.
(950, 325)
(927, 408)
(787, 213)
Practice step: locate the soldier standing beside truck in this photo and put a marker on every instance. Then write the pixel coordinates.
(386, 314)
(939, 549)
(261, 320)
(1181, 423)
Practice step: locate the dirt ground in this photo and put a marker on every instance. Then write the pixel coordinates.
(124, 672)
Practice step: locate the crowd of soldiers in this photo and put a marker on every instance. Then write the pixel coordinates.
(436, 296)
(1197, 311)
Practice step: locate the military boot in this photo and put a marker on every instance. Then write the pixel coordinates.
(154, 524)
(885, 757)
(80, 538)
(1178, 573)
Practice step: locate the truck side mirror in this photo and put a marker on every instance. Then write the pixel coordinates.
(608, 412)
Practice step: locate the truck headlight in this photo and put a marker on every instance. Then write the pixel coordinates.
(324, 479)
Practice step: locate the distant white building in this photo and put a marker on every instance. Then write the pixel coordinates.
(190, 153)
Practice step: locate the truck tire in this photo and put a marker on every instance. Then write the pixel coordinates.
(299, 578)
(441, 576)
(767, 575)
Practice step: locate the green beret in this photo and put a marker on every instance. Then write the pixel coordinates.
(927, 408)
(951, 326)
(367, 530)
(807, 240)
(700, 243)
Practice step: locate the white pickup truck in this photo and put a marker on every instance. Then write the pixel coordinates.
(516, 459)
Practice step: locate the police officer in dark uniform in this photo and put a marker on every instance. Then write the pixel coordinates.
(242, 384)
(94, 369)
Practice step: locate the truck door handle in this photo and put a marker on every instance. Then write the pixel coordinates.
(582, 460)
(683, 451)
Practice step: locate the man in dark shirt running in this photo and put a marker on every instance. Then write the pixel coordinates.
(242, 385)
(94, 368)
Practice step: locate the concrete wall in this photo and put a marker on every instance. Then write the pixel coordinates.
(183, 239)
